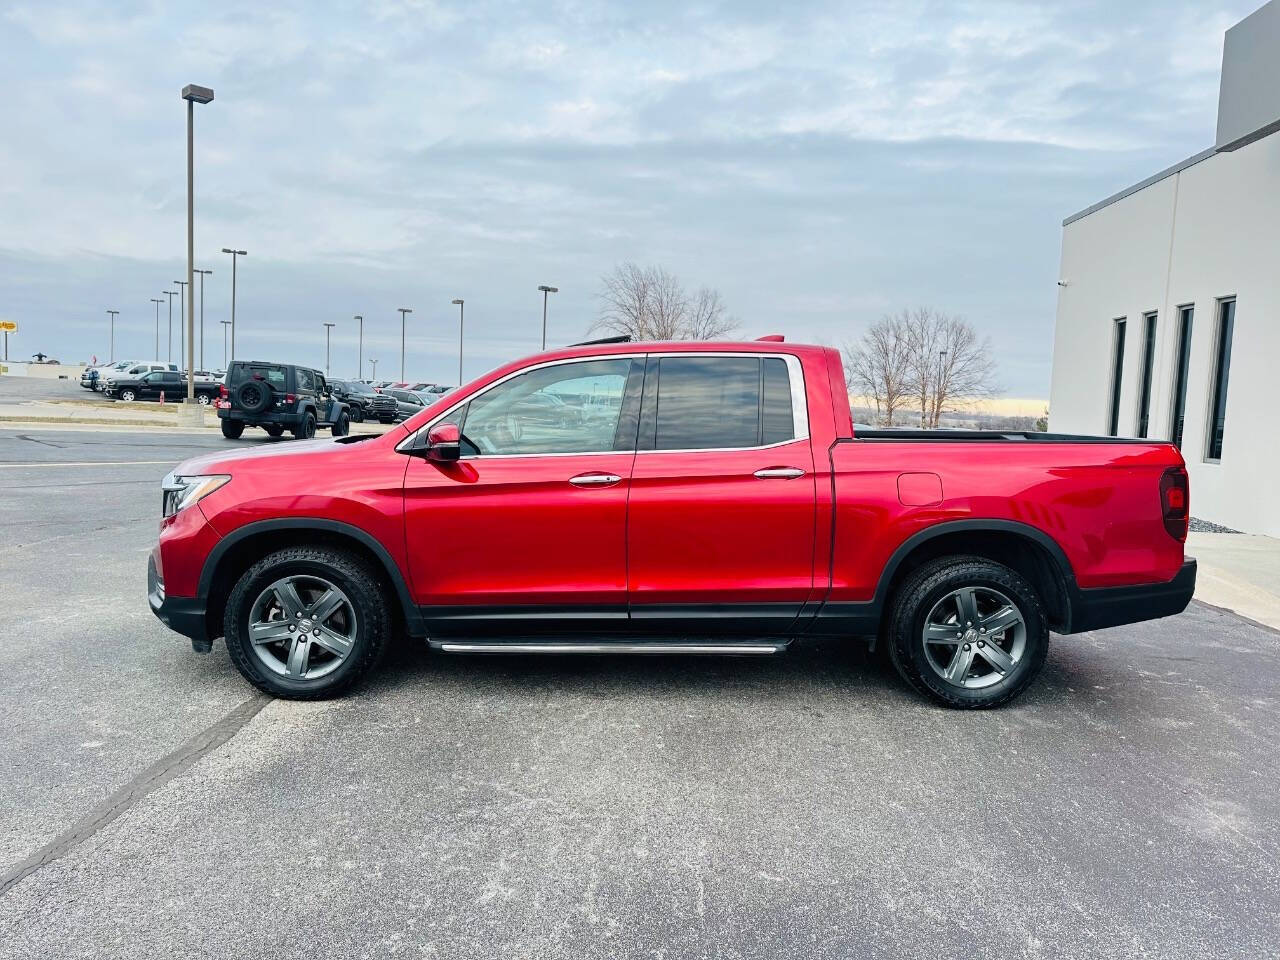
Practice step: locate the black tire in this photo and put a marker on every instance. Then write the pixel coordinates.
(306, 428)
(204, 399)
(341, 426)
(922, 592)
(273, 429)
(232, 429)
(357, 414)
(352, 575)
(128, 395)
(253, 396)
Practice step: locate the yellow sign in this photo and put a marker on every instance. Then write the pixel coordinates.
(8, 326)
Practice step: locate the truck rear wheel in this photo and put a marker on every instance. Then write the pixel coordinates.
(232, 429)
(306, 428)
(968, 632)
(307, 622)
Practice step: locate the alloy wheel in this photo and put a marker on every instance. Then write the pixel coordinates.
(302, 627)
(974, 637)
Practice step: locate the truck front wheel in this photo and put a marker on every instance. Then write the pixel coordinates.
(968, 632)
(307, 622)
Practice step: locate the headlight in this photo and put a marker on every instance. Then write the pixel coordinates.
(180, 492)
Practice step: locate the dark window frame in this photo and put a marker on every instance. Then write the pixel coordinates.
(1181, 372)
(1223, 336)
(1146, 372)
(1118, 328)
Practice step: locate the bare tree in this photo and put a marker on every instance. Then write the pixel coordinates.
(649, 303)
(921, 356)
(947, 362)
(877, 367)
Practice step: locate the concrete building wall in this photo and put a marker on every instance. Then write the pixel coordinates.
(1205, 232)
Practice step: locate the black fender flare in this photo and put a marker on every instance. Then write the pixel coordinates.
(412, 616)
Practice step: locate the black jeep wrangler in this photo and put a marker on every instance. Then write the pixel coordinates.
(279, 397)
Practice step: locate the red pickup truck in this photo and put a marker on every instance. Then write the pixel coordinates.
(669, 498)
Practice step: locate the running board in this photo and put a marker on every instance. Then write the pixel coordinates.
(711, 649)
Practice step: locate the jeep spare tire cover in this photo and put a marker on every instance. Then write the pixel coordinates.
(253, 396)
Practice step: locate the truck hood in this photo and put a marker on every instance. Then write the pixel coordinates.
(285, 453)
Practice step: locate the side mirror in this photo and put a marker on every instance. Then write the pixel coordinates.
(444, 443)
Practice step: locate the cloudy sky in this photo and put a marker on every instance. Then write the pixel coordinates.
(819, 163)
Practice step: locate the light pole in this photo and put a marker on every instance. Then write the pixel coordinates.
(235, 255)
(157, 301)
(225, 324)
(182, 324)
(170, 294)
(360, 349)
(203, 274)
(374, 364)
(403, 312)
(546, 290)
(327, 327)
(112, 352)
(460, 319)
(193, 94)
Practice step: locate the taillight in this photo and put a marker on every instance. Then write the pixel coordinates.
(1175, 501)
(289, 398)
(222, 391)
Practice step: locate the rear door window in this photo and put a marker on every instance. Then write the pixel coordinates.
(707, 403)
(272, 374)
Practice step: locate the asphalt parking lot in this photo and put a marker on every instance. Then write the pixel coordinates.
(807, 806)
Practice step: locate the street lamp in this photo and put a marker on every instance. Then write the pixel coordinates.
(182, 325)
(170, 294)
(327, 327)
(235, 255)
(193, 94)
(460, 309)
(157, 301)
(225, 324)
(360, 349)
(112, 352)
(545, 291)
(403, 311)
(203, 274)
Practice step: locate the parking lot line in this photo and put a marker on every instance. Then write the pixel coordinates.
(90, 463)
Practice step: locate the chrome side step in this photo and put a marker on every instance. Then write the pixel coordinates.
(712, 649)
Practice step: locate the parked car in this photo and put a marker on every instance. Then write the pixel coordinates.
(133, 369)
(93, 376)
(363, 402)
(279, 397)
(407, 402)
(154, 384)
(726, 506)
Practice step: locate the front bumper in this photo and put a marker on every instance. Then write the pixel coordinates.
(184, 615)
(1112, 606)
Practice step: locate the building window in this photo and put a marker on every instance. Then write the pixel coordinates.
(1221, 371)
(1117, 373)
(1148, 360)
(1185, 316)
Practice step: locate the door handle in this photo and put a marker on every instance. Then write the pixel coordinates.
(595, 479)
(779, 473)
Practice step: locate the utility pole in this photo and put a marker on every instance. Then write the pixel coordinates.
(360, 349)
(327, 327)
(203, 274)
(546, 290)
(374, 364)
(157, 301)
(403, 312)
(170, 294)
(112, 351)
(235, 255)
(182, 319)
(193, 94)
(460, 309)
(225, 324)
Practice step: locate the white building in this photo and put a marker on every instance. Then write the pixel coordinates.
(1168, 319)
